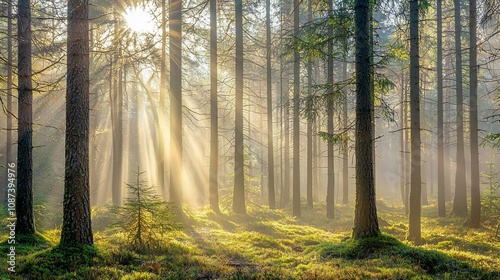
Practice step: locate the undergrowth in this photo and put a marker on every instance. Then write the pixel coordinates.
(265, 244)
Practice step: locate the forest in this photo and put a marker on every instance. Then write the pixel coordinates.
(250, 139)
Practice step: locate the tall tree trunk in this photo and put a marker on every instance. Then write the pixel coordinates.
(365, 213)
(9, 158)
(475, 208)
(310, 124)
(446, 133)
(118, 121)
(76, 207)
(296, 117)
(345, 142)
(270, 134)
(214, 113)
(330, 188)
(414, 234)
(162, 157)
(239, 173)
(372, 90)
(441, 198)
(407, 151)
(402, 156)
(286, 115)
(460, 201)
(281, 123)
(316, 147)
(24, 195)
(175, 41)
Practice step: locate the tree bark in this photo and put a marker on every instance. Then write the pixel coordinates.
(414, 234)
(214, 112)
(460, 200)
(441, 198)
(9, 85)
(296, 117)
(162, 157)
(118, 117)
(76, 207)
(475, 208)
(330, 188)
(365, 213)
(345, 142)
(24, 195)
(270, 134)
(402, 155)
(175, 41)
(239, 173)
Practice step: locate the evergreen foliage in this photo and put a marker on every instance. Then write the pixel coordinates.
(145, 217)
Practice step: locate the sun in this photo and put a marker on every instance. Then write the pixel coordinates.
(138, 20)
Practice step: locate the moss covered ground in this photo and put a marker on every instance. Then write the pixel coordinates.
(265, 244)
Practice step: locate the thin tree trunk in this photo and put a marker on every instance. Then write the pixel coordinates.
(296, 118)
(162, 157)
(316, 147)
(330, 188)
(76, 207)
(270, 134)
(441, 194)
(365, 213)
(345, 142)
(475, 208)
(118, 121)
(460, 201)
(239, 173)
(407, 152)
(175, 41)
(24, 195)
(446, 132)
(414, 234)
(214, 113)
(402, 143)
(310, 124)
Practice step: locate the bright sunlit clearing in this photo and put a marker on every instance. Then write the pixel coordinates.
(138, 20)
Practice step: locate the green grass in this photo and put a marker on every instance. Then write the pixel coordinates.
(265, 244)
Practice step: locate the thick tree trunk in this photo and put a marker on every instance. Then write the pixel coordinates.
(270, 134)
(441, 198)
(460, 201)
(9, 85)
(24, 195)
(296, 117)
(239, 176)
(372, 90)
(175, 41)
(475, 208)
(76, 207)
(214, 112)
(414, 234)
(365, 213)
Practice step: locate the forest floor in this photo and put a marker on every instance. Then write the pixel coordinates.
(265, 244)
